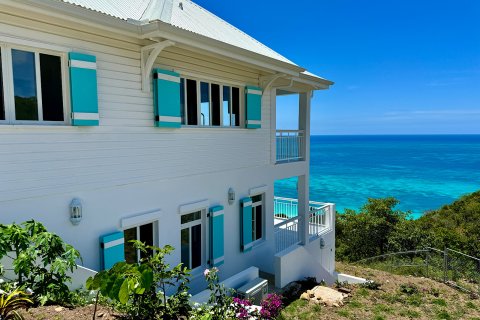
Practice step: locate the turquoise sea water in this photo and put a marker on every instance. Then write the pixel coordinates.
(424, 172)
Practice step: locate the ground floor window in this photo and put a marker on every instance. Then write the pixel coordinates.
(257, 217)
(144, 233)
(192, 239)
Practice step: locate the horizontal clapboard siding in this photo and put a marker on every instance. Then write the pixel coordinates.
(125, 149)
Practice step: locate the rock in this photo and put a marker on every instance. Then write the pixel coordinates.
(58, 309)
(335, 305)
(100, 315)
(328, 295)
(305, 296)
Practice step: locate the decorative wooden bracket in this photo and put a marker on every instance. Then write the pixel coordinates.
(148, 55)
(270, 80)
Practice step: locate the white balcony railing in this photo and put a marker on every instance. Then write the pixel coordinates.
(290, 145)
(287, 222)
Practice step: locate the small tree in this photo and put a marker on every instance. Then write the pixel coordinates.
(41, 260)
(136, 285)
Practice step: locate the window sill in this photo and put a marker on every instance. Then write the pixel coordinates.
(184, 126)
(258, 243)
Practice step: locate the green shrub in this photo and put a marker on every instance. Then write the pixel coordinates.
(371, 285)
(409, 289)
(41, 260)
(135, 285)
(11, 302)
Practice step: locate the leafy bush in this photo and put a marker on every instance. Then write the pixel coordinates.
(11, 302)
(371, 285)
(135, 285)
(378, 228)
(409, 289)
(220, 298)
(41, 260)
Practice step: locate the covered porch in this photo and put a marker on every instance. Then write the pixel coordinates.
(288, 224)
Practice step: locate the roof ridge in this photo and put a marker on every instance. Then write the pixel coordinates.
(159, 9)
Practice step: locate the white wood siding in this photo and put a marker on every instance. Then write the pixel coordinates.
(125, 149)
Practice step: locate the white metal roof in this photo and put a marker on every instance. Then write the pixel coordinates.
(183, 14)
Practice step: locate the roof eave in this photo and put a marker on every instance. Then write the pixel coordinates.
(190, 39)
(85, 15)
(317, 82)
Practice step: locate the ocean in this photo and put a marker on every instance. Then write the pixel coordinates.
(423, 172)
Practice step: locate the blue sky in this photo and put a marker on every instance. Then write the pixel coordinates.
(399, 67)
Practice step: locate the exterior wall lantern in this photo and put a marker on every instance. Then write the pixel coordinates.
(231, 196)
(322, 243)
(75, 211)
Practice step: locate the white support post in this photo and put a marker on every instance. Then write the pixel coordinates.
(273, 125)
(304, 180)
(303, 208)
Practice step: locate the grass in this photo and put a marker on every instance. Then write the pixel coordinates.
(399, 297)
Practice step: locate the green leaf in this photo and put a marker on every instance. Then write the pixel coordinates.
(147, 279)
(124, 293)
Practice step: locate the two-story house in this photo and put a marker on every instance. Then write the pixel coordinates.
(156, 120)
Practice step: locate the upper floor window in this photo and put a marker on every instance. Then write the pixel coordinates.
(209, 104)
(31, 86)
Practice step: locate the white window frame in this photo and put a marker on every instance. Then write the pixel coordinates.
(198, 80)
(202, 222)
(254, 205)
(8, 87)
(137, 227)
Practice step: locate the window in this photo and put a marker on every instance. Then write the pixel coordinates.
(36, 88)
(209, 104)
(144, 233)
(191, 236)
(257, 217)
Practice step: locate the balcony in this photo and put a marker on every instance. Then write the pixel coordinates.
(288, 226)
(290, 145)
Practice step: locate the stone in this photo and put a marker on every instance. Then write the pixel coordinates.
(305, 296)
(58, 309)
(328, 295)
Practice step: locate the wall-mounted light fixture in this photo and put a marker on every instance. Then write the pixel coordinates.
(76, 211)
(322, 243)
(231, 196)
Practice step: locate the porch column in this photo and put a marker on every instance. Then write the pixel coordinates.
(304, 180)
(273, 125)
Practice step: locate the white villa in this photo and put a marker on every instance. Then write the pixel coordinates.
(156, 120)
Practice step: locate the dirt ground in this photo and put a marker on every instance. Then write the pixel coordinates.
(60, 313)
(396, 300)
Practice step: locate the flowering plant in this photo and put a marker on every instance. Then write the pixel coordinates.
(242, 311)
(271, 306)
(220, 299)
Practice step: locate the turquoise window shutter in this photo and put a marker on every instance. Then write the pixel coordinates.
(253, 106)
(112, 249)
(166, 98)
(83, 89)
(246, 224)
(217, 236)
